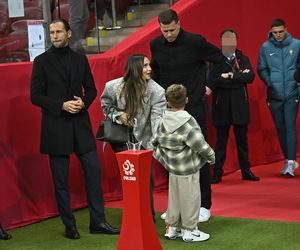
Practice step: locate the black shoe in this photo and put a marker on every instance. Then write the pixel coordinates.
(249, 176)
(104, 228)
(3, 234)
(71, 232)
(216, 179)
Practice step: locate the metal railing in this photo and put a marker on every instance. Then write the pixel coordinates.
(133, 17)
(47, 20)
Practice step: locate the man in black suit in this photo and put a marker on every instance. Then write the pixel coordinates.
(3, 234)
(230, 106)
(63, 87)
(179, 56)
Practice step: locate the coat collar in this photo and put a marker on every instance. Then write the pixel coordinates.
(284, 43)
(52, 57)
(178, 40)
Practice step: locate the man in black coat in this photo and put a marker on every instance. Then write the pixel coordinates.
(63, 87)
(3, 234)
(231, 106)
(180, 57)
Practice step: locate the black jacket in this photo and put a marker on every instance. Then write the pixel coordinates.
(63, 133)
(230, 96)
(184, 61)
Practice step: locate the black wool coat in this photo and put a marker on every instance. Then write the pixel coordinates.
(184, 62)
(63, 133)
(230, 104)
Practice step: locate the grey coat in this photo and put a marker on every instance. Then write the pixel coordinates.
(147, 120)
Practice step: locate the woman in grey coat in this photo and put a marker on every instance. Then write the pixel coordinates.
(136, 101)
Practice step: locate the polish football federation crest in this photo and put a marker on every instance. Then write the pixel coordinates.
(129, 170)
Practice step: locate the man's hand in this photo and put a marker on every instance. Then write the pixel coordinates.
(208, 91)
(79, 102)
(211, 161)
(228, 75)
(73, 106)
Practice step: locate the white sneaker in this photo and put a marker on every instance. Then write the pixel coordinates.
(163, 216)
(173, 232)
(291, 166)
(195, 235)
(204, 214)
(283, 171)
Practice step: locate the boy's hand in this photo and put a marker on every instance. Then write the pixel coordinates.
(211, 161)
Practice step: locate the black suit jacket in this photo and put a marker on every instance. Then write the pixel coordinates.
(63, 133)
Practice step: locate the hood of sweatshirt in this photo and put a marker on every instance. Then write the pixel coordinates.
(172, 120)
(284, 43)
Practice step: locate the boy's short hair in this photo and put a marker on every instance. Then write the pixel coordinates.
(176, 96)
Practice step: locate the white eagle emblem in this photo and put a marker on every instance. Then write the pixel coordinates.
(128, 168)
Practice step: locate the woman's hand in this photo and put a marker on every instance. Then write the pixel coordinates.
(124, 118)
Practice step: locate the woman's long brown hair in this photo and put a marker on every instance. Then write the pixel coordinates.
(134, 86)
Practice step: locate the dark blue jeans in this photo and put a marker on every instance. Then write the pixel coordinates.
(284, 114)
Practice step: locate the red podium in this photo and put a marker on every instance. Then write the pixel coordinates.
(137, 230)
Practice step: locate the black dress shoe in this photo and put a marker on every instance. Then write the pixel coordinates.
(216, 179)
(249, 176)
(104, 228)
(71, 232)
(3, 234)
